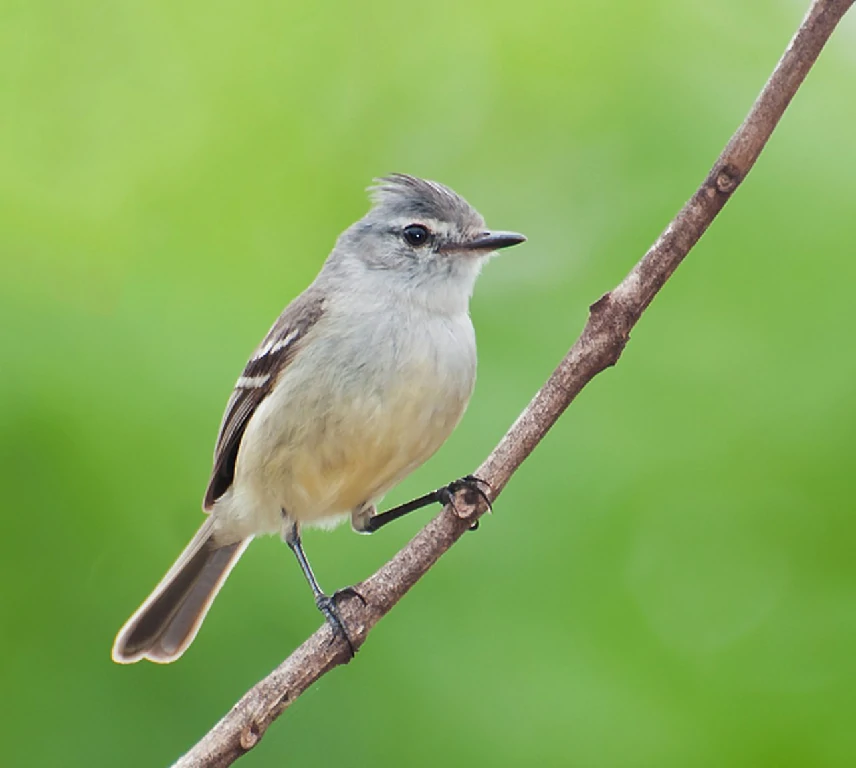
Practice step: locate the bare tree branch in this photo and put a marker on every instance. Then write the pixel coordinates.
(600, 345)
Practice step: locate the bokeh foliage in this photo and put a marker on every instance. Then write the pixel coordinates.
(668, 581)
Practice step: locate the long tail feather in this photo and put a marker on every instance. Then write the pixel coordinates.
(166, 623)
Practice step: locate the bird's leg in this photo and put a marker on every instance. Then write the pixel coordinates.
(326, 604)
(444, 496)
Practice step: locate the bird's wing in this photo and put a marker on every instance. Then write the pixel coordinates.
(257, 381)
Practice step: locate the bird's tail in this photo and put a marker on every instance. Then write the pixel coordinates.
(166, 623)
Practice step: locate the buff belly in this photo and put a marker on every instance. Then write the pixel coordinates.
(357, 447)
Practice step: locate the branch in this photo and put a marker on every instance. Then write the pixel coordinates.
(600, 345)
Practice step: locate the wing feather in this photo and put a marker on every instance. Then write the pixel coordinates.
(256, 382)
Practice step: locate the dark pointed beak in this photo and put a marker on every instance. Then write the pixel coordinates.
(493, 241)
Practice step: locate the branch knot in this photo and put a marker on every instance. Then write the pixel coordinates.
(250, 736)
(727, 178)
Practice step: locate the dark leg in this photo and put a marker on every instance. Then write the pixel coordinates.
(444, 496)
(325, 603)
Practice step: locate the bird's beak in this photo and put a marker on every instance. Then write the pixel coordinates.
(492, 241)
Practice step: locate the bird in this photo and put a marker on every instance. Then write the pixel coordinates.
(359, 381)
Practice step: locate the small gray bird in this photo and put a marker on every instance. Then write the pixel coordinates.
(360, 380)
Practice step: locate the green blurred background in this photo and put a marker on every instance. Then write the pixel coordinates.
(668, 581)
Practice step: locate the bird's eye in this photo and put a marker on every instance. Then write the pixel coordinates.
(416, 234)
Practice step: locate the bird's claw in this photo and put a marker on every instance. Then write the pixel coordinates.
(330, 609)
(470, 483)
(350, 592)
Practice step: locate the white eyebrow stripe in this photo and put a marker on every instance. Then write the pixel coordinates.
(443, 229)
(276, 344)
(252, 382)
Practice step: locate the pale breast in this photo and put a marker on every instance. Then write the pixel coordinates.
(335, 435)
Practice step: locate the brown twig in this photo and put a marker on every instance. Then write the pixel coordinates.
(599, 347)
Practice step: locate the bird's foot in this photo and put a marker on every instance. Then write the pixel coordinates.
(350, 592)
(330, 610)
(329, 607)
(472, 485)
